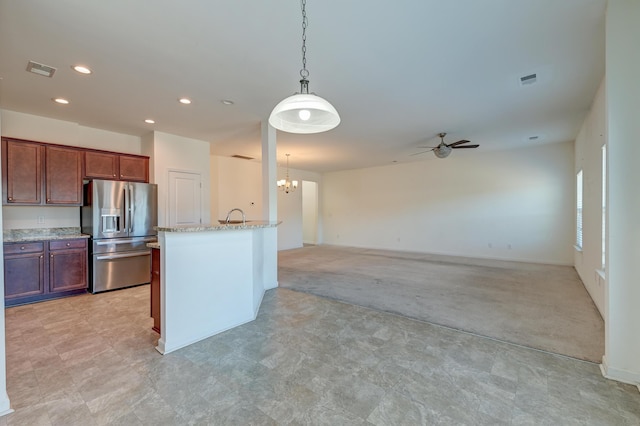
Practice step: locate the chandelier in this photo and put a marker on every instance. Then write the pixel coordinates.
(287, 185)
(304, 112)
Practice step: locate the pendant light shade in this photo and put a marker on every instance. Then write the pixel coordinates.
(304, 113)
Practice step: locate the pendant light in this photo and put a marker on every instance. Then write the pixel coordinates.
(287, 185)
(304, 112)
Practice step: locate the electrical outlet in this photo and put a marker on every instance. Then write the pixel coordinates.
(40, 220)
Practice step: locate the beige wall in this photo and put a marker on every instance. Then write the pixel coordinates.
(176, 153)
(622, 316)
(588, 158)
(514, 204)
(238, 183)
(43, 129)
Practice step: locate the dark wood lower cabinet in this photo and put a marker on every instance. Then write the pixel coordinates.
(23, 270)
(67, 265)
(43, 270)
(155, 289)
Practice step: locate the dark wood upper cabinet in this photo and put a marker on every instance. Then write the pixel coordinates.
(37, 173)
(63, 175)
(21, 172)
(101, 165)
(134, 168)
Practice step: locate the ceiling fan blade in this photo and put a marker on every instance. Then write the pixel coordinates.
(421, 152)
(458, 143)
(430, 147)
(464, 146)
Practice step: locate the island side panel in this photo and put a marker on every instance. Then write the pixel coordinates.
(269, 258)
(207, 284)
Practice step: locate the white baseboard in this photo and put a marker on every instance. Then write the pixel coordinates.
(623, 376)
(270, 286)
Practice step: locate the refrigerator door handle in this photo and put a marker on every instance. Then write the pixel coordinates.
(131, 208)
(125, 216)
(123, 255)
(125, 241)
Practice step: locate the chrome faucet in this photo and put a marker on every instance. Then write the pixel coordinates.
(244, 221)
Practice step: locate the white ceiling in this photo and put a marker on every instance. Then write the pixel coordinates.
(398, 72)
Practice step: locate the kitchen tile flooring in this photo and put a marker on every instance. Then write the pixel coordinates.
(91, 360)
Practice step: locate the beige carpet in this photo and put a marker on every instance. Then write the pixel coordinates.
(540, 306)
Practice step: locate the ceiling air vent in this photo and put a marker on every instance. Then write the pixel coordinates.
(534, 138)
(528, 79)
(40, 69)
(244, 157)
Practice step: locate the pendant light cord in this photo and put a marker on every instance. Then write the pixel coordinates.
(304, 73)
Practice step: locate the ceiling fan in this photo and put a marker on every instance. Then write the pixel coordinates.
(443, 149)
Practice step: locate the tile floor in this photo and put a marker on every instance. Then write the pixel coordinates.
(305, 360)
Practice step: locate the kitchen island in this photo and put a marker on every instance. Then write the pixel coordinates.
(212, 278)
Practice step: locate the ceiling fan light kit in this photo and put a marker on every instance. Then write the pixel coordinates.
(443, 150)
(304, 112)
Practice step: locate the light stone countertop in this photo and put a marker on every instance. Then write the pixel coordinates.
(41, 234)
(250, 224)
(154, 245)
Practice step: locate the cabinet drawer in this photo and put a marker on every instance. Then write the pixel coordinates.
(67, 244)
(19, 248)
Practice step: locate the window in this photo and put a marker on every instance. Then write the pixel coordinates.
(579, 210)
(604, 204)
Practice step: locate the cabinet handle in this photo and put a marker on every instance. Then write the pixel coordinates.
(48, 199)
(22, 248)
(68, 244)
(41, 256)
(10, 198)
(52, 256)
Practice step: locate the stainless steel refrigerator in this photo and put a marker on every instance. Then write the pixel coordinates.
(120, 217)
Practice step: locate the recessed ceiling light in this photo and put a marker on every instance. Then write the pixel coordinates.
(185, 101)
(81, 69)
(62, 101)
(149, 121)
(227, 102)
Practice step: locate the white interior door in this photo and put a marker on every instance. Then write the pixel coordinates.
(185, 207)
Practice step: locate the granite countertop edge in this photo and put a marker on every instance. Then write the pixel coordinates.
(255, 224)
(41, 234)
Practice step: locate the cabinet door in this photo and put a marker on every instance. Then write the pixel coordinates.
(23, 275)
(100, 165)
(134, 168)
(63, 175)
(67, 265)
(22, 172)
